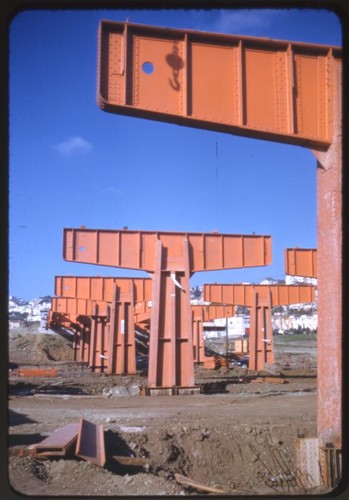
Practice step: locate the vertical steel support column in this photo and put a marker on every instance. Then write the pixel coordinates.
(154, 362)
(171, 344)
(329, 200)
(85, 342)
(254, 328)
(198, 336)
(268, 332)
(261, 333)
(99, 359)
(112, 333)
(76, 342)
(185, 362)
(122, 342)
(197, 322)
(93, 337)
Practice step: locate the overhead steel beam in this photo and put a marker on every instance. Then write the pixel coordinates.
(301, 262)
(137, 249)
(215, 81)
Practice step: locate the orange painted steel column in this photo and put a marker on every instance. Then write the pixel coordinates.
(261, 332)
(329, 256)
(122, 343)
(172, 257)
(170, 343)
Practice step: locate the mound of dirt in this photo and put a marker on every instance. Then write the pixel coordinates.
(33, 348)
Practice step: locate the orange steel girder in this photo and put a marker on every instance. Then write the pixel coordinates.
(215, 81)
(116, 298)
(98, 288)
(261, 299)
(173, 258)
(301, 262)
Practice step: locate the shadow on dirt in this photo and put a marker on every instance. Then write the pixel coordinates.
(115, 445)
(15, 418)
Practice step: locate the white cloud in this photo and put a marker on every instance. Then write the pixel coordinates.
(72, 146)
(242, 20)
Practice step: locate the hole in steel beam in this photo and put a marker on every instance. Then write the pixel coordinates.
(148, 67)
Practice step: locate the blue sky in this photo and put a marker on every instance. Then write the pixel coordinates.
(72, 164)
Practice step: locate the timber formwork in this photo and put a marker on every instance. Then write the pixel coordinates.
(260, 299)
(215, 81)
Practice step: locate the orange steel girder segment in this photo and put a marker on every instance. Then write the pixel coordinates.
(115, 299)
(215, 81)
(261, 299)
(173, 258)
(301, 262)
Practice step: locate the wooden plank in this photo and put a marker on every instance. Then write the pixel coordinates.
(22, 451)
(59, 443)
(90, 445)
(186, 481)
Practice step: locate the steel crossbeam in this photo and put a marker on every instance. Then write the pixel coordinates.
(301, 262)
(260, 299)
(215, 81)
(172, 258)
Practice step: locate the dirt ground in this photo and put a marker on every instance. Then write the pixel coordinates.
(237, 436)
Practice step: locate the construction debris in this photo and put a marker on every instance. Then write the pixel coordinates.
(130, 461)
(59, 443)
(34, 372)
(90, 444)
(272, 380)
(190, 483)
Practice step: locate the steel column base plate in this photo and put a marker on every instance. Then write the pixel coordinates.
(172, 391)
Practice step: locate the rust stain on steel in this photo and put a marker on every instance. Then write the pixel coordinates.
(301, 262)
(214, 81)
(137, 249)
(59, 443)
(90, 444)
